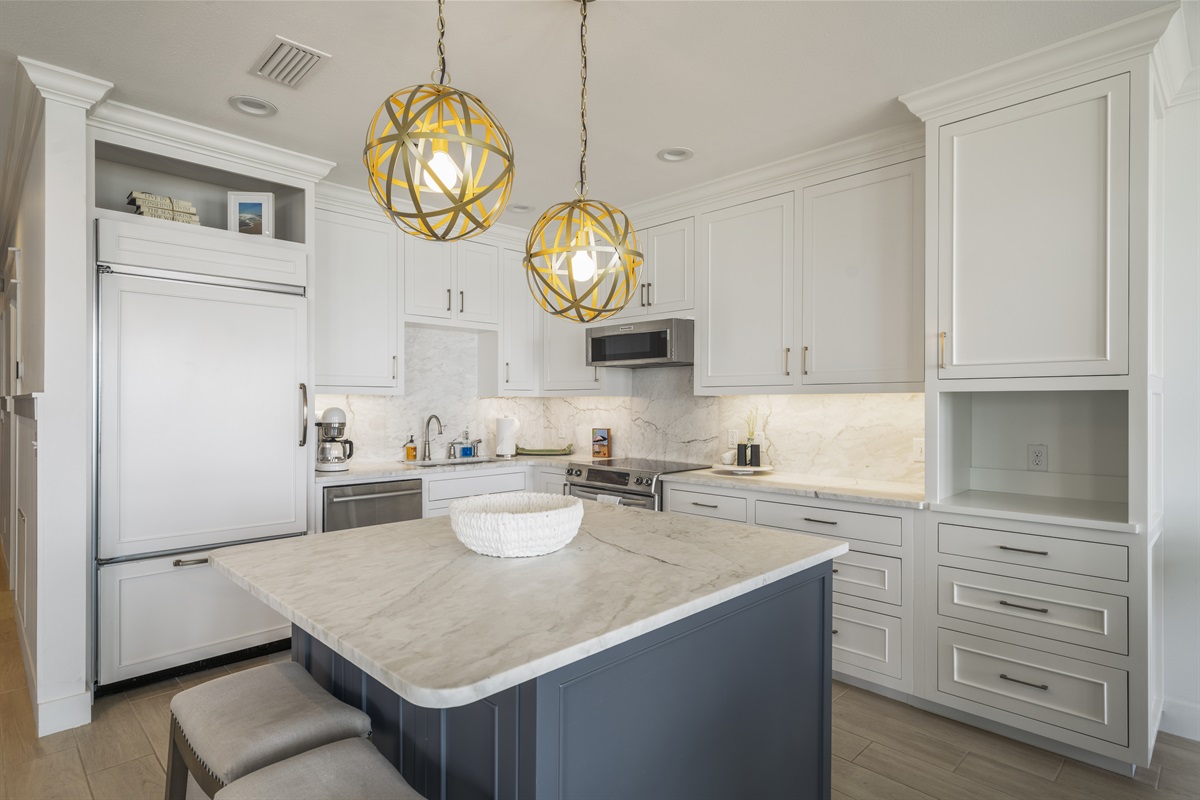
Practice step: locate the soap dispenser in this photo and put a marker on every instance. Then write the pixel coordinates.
(410, 449)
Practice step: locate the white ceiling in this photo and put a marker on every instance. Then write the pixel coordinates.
(741, 82)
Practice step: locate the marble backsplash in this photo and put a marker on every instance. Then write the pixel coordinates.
(865, 436)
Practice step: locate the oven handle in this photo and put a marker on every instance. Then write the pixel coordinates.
(625, 500)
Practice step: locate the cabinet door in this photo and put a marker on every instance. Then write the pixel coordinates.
(863, 261)
(356, 303)
(478, 298)
(180, 467)
(165, 612)
(519, 332)
(428, 274)
(1033, 237)
(564, 357)
(746, 299)
(669, 274)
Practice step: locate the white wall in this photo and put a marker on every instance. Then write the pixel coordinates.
(1181, 712)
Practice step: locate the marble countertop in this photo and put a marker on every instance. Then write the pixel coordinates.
(443, 626)
(361, 472)
(888, 493)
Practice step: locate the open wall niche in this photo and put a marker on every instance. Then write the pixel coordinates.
(1083, 464)
(120, 170)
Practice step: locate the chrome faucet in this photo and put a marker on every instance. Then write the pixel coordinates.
(425, 450)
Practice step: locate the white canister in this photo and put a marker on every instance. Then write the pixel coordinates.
(506, 436)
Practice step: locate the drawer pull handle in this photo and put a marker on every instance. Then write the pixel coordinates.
(822, 521)
(188, 562)
(1041, 686)
(835, 631)
(1023, 550)
(1027, 608)
(706, 505)
(835, 572)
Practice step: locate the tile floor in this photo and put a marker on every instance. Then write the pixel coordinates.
(882, 749)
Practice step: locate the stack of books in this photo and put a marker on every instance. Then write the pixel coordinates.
(160, 206)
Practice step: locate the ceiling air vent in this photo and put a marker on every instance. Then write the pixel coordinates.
(287, 62)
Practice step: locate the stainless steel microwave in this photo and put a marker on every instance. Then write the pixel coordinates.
(654, 343)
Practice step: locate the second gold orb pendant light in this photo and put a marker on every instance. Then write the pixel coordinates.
(582, 256)
(438, 162)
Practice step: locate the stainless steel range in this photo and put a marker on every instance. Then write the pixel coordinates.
(633, 481)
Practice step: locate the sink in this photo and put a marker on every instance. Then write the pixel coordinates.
(443, 462)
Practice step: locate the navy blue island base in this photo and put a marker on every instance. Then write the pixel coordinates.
(731, 703)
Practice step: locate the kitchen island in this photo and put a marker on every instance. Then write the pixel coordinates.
(655, 656)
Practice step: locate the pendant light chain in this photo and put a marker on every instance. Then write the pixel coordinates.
(581, 190)
(441, 45)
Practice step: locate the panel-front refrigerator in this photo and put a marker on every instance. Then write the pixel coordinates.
(202, 443)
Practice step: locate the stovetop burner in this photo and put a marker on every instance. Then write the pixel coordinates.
(647, 465)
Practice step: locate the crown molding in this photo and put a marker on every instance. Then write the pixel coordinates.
(1136, 36)
(348, 200)
(894, 141)
(1174, 63)
(151, 126)
(65, 86)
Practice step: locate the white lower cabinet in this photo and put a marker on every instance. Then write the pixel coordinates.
(867, 640)
(441, 490)
(872, 583)
(551, 480)
(1019, 682)
(164, 612)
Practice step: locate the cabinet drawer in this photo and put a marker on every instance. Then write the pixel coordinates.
(453, 488)
(1030, 550)
(1064, 692)
(842, 524)
(868, 575)
(701, 504)
(867, 640)
(1062, 613)
(155, 615)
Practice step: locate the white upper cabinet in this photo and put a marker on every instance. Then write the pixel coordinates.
(358, 342)
(516, 361)
(667, 281)
(863, 257)
(428, 278)
(745, 297)
(564, 362)
(1033, 251)
(458, 281)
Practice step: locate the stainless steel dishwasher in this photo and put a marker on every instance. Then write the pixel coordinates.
(363, 504)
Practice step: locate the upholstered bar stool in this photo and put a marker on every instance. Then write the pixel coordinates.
(232, 726)
(351, 769)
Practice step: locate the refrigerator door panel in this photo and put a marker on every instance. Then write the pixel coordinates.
(202, 414)
(155, 615)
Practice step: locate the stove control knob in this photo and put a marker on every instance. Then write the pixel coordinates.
(638, 481)
(577, 473)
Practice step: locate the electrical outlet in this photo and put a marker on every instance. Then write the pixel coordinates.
(733, 437)
(919, 451)
(1037, 456)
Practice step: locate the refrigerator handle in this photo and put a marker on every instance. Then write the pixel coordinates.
(304, 417)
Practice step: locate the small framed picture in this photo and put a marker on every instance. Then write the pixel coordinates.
(601, 443)
(252, 213)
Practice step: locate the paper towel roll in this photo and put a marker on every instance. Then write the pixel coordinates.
(506, 436)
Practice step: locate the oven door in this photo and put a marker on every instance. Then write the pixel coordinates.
(631, 499)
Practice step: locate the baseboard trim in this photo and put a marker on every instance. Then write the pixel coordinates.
(64, 713)
(1181, 718)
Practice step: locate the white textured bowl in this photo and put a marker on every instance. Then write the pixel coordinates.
(517, 524)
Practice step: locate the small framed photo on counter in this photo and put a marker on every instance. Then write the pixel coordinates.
(601, 442)
(252, 213)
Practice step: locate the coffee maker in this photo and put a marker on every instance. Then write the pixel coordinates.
(332, 450)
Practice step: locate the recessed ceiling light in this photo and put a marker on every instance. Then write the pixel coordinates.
(675, 154)
(520, 208)
(254, 106)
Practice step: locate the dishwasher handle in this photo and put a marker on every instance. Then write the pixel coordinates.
(350, 498)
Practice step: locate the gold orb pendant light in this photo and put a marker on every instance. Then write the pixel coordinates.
(581, 257)
(439, 150)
